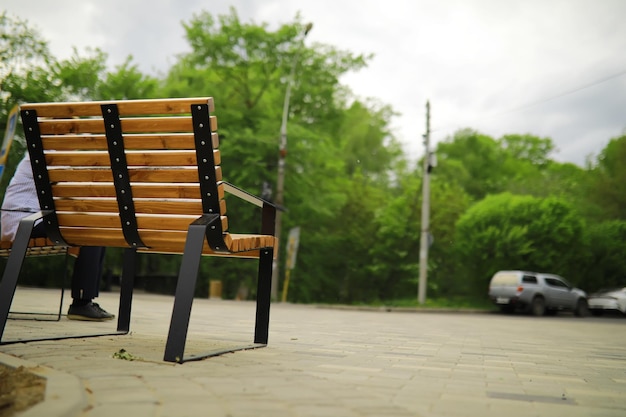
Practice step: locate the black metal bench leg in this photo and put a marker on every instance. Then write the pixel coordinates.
(66, 267)
(13, 267)
(264, 290)
(126, 289)
(185, 288)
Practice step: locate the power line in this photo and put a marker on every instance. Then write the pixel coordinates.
(547, 99)
(593, 84)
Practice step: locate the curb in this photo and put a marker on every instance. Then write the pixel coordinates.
(404, 309)
(65, 393)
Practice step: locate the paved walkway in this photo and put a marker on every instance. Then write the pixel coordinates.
(327, 362)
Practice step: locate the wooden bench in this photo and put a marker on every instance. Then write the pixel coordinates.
(144, 175)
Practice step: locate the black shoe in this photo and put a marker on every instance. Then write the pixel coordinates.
(88, 312)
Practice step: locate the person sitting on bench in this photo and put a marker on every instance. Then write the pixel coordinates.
(20, 200)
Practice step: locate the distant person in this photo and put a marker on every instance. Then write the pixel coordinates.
(20, 200)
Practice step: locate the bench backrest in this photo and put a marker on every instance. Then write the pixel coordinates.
(132, 173)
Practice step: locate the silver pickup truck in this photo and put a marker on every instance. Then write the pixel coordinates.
(536, 293)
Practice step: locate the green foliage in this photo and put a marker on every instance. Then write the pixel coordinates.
(449, 202)
(495, 203)
(607, 256)
(473, 161)
(45, 271)
(19, 43)
(528, 148)
(365, 142)
(79, 77)
(332, 147)
(394, 262)
(124, 355)
(609, 182)
(506, 231)
(23, 57)
(127, 82)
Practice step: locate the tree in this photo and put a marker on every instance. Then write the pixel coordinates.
(448, 203)
(127, 82)
(348, 187)
(609, 179)
(607, 261)
(340, 149)
(473, 161)
(21, 48)
(528, 148)
(246, 66)
(506, 231)
(394, 234)
(30, 74)
(24, 55)
(365, 142)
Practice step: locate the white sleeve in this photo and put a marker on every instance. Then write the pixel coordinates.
(20, 199)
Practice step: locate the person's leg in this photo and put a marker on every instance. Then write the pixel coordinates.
(87, 273)
(85, 281)
(85, 285)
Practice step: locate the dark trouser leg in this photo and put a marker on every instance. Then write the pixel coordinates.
(87, 273)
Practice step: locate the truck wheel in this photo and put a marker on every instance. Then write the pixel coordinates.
(582, 308)
(538, 306)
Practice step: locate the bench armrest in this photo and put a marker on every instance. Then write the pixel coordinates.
(250, 198)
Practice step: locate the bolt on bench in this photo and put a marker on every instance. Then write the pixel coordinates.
(144, 175)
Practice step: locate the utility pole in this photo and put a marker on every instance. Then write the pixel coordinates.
(282, 154)
(425, 235)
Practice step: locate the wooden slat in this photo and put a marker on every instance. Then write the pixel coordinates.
(166, 249)
(39, 246)
(86, 175)
(126, 107)
(89, 189)
(37, 241)
(177, 239)
(131, 125)
(141, 190)
(159, 241)
(141, 206)
(133, 158)
(100, 205)
(136, 175)
(78, 158)
(243, 243)
(112, 221)
(75, 142)
(164, 141)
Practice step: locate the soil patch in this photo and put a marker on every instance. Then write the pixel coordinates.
(19, 390)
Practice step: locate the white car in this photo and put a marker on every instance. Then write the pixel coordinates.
(536, 292)
(608, 300)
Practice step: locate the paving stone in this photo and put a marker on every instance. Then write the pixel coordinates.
(335, 362)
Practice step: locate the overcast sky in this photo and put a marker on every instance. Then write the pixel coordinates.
(551, 68)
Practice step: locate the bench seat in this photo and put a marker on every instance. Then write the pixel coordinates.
(39, 246)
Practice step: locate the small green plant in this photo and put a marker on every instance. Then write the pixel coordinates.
(125, 356)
